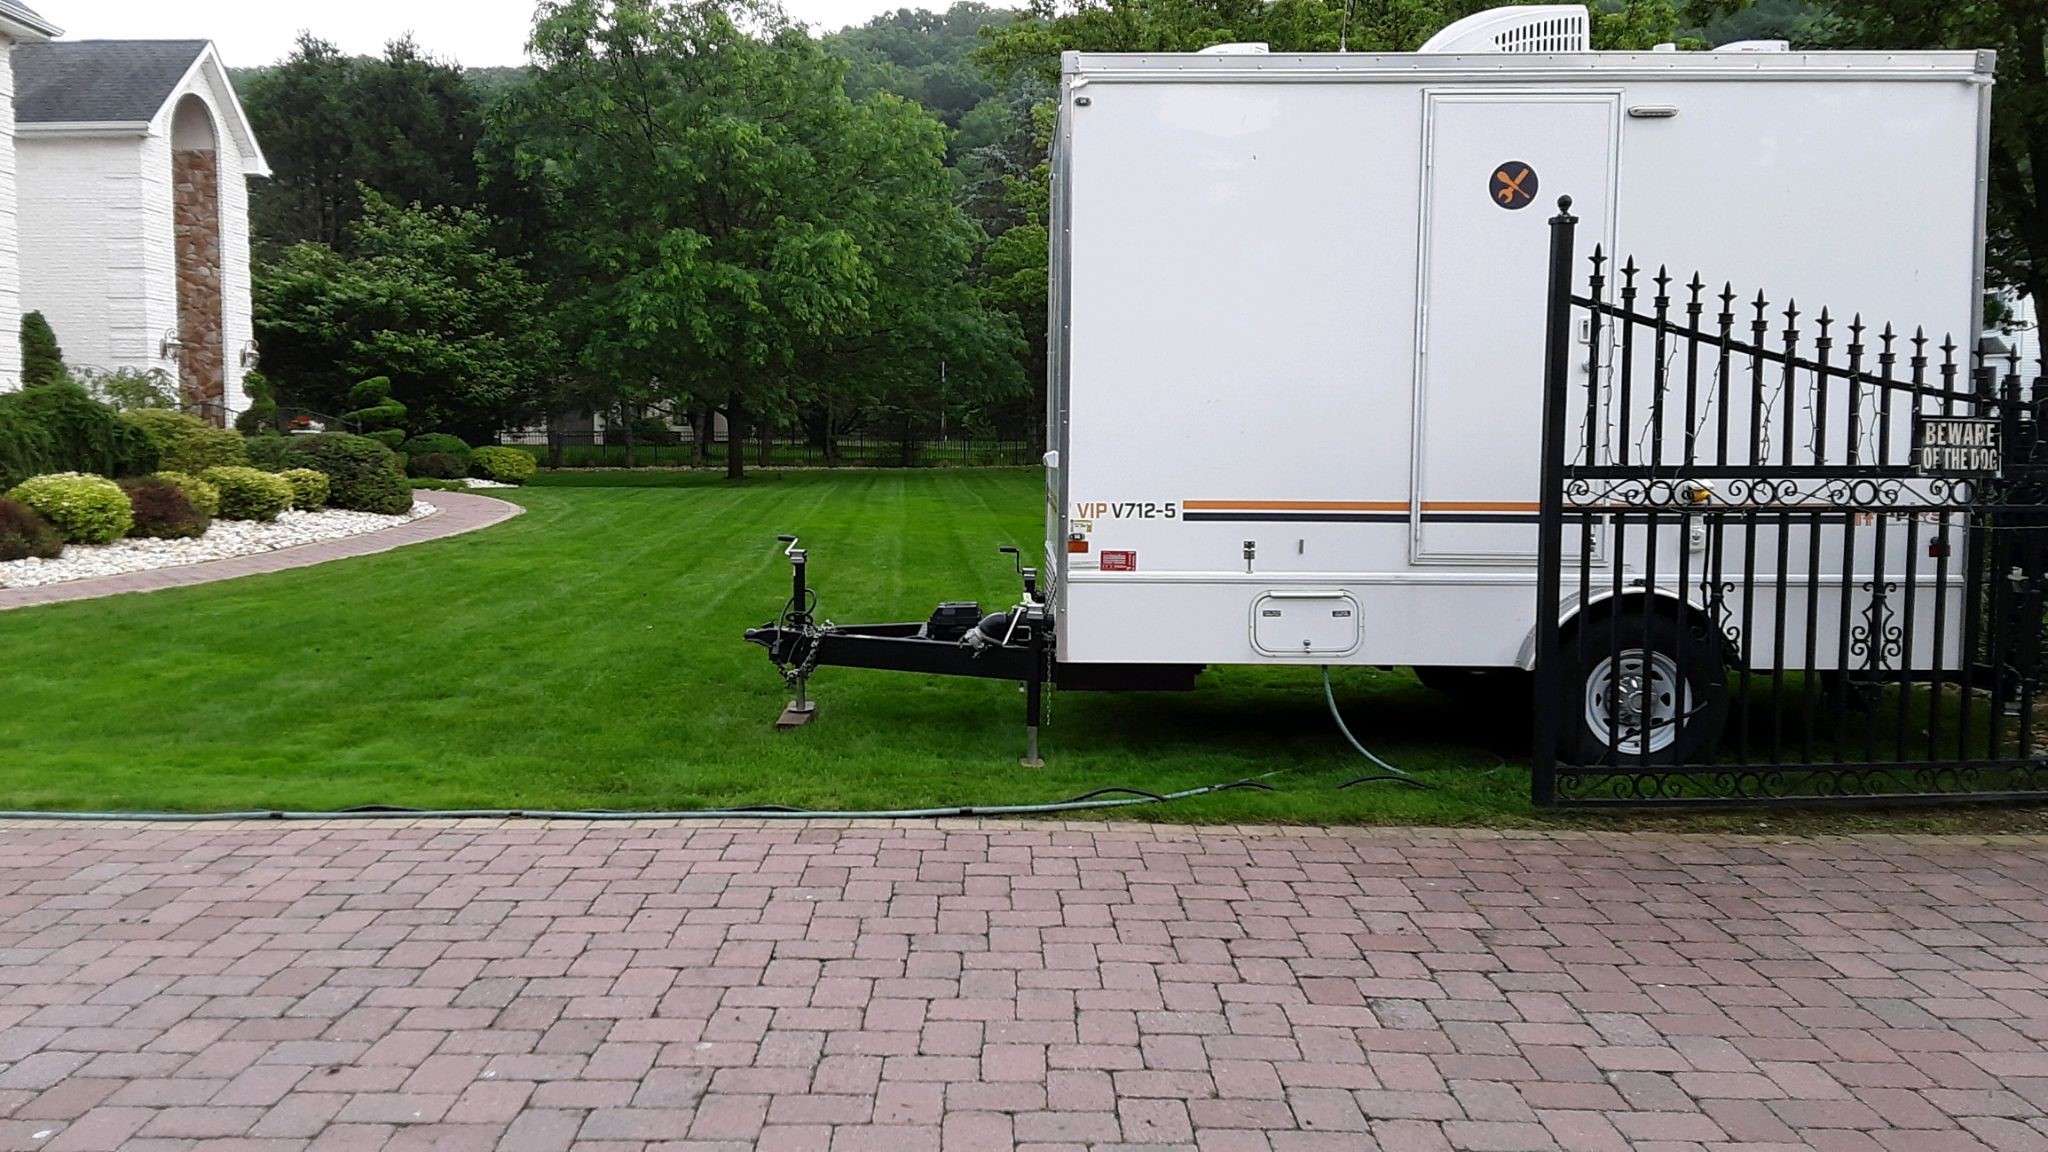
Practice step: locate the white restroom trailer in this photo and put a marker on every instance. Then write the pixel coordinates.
(1297, 323)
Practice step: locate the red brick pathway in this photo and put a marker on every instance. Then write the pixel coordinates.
(481, 985)
(459, 513)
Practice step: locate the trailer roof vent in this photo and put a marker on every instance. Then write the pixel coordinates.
(1756, 46)
(1516, 28)
(1249, 48)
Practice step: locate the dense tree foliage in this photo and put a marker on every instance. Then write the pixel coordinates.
(420, 298)
(739, 229)
(696, 208)
(404, 125)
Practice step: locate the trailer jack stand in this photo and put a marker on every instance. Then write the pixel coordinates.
(801, 711)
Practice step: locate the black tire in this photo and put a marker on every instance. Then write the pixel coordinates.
(1688, 703)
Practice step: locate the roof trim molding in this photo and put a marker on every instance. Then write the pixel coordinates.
(253, 162)
(24, 26)
(85, 128)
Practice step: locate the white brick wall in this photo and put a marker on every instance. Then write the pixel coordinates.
(10, 249)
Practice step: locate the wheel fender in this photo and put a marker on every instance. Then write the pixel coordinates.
(1573, 608)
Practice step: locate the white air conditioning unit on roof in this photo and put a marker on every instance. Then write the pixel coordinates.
(1517, 28)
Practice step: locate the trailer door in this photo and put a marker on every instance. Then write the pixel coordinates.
(1495, 164)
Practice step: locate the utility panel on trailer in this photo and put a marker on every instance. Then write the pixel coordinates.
(1298, 307)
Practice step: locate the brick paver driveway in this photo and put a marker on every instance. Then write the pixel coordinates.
(481, 985)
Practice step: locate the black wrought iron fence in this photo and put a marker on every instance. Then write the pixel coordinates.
(1783, 556)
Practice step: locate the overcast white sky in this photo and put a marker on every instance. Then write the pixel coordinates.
(251, 32)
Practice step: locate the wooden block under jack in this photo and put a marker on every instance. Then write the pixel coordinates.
(798, 714)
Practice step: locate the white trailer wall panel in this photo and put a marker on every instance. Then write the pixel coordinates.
(1288, 314)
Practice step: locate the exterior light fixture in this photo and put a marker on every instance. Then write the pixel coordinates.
(170, 345)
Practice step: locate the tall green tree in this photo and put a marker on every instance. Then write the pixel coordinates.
(731, 219)
(404, 125)
(421, 298)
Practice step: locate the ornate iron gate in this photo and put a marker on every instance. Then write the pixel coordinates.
(1783, 557)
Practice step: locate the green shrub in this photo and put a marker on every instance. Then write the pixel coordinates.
(83, 509)
(421, 484)
(24, 534)
(268, 452)
(161, 511)
(362, 475)
(437, 442)
(505, 465)
(248, 493)
(309, 488)
(437, 466)
(187, 443)
(42, 361)
(204, 497)
(58, 428)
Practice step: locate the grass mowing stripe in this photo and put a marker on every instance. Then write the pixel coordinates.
(588, 655)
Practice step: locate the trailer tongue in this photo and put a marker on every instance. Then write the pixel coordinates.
(956, 641)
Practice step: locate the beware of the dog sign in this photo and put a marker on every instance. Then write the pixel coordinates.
(1956, 446)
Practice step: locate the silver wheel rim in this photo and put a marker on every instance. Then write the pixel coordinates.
(1669, 699)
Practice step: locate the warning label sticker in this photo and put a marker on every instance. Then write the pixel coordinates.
(1119, 561)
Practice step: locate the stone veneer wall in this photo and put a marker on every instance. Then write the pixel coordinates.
(202, 362)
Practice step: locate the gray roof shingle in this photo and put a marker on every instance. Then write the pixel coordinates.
(98, 81)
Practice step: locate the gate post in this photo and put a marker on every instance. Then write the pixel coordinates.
(1549, 697)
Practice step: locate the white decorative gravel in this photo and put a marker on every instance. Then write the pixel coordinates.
(225, 539)
(474, 482)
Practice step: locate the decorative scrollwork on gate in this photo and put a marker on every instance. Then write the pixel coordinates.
(1877, 640)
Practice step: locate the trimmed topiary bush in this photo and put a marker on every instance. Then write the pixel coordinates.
(505, 465)
(309, 488)
(379, 416)
(161, 511)
(261, 416)
(437, 466)
(204, 497)
(59, 428)
(437, 442)
(83, 509)
(362, 475)
(248, 493)
(24, 534)
(187, 443)
(42, 361)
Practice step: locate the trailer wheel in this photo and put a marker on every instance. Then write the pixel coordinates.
(1621, 670)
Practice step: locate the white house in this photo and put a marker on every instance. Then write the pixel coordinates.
(134, 158)
(18, 25)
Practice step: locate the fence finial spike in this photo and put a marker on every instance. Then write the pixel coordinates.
(1825, 320)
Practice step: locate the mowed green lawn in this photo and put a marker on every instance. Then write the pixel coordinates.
(588, 655)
